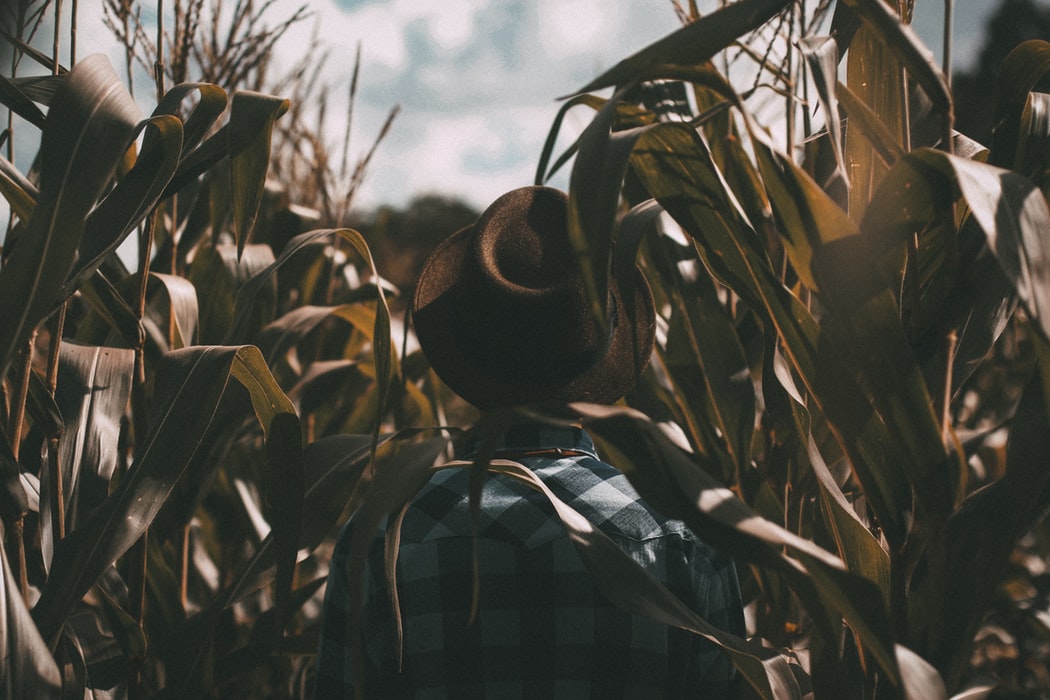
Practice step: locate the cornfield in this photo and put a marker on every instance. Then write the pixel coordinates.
(849, 391)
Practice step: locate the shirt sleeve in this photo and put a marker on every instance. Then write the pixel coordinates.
(719, 601)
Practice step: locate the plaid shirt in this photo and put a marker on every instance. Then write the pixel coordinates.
(543, 630)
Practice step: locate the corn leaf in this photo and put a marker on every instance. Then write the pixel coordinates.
(189, 386)
(983, 531)
(92, 393)
(693, 44)
(27, 668)
(135, 195)
(210, 105)
(631, 588)
(284, 455)
(670, 481)
(694, 194)
(822, 56)
(88, 129)
(252, 116)
(218, 272)
(14, 98)
(864, 325)
(19, 192)
(910, 50)
(1020, 71)
(173, 324)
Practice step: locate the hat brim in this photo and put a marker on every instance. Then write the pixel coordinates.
(445, 338)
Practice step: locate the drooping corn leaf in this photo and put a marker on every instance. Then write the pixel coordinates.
(19, 192)
(218, 272)
(1020, 71)
(1014, 216)
(1034, 135)
(92, 393)
(691, 45)
(670, 481)
(383, 348)
(135, 195)
(864, 328)
(983, 531)
(14, 97)
(27, 668)
(631, 588)
(88, 129)
(673, 165)
(544, 170)
(210, 105)
(284, 484)
(822, 56)
(189, 386)
(172, 317)
(252, 116)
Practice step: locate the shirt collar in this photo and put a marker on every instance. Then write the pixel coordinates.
(536, 439)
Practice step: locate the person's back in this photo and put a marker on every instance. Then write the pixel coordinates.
(542, 628)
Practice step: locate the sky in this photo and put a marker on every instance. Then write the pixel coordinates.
(478, 81)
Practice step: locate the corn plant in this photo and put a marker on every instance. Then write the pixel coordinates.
(848, 394)
(166, 427)
(852, 320)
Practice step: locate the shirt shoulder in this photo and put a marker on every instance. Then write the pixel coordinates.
(599, 492)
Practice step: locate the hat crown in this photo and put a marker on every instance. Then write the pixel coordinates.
(529, 307)
(522, 242)
(503, 314)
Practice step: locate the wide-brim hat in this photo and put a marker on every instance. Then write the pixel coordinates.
(502, 313)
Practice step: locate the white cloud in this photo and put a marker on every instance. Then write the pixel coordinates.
(478, 88)
(572, 27)
(451, 24)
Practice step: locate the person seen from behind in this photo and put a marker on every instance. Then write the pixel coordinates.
(502, 315)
